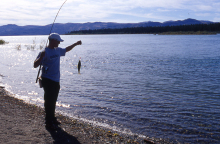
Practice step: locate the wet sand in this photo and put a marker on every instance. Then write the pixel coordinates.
(24, 123)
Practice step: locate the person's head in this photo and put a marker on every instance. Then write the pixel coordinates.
(54, 40)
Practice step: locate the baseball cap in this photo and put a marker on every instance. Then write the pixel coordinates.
(55, 36)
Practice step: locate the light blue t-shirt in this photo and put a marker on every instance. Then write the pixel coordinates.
(51, 63)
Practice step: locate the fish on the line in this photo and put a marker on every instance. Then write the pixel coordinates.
(79, 65)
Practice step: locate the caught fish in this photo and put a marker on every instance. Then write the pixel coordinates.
(79, 66)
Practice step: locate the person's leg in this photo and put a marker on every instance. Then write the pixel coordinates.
(51, 91)
(54, 99)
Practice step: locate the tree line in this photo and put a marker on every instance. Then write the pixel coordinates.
(209, 28)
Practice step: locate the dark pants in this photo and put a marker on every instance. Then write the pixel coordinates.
(51, 91)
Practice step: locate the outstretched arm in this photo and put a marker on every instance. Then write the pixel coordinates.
(73, 45)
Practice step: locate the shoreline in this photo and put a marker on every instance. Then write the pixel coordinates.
(22, 122)
(215, 33)
(154, 33)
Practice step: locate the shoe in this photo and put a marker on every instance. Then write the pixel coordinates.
(56, 122)
(51, 126)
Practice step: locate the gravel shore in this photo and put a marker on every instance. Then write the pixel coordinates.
(24, 123)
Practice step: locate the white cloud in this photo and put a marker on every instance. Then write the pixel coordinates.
(203, 7)
(216, 19)
(38, 12)
(203, 14)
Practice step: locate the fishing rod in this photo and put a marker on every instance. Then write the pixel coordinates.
(48, 38)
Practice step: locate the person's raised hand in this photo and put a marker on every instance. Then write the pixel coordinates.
(79, 42)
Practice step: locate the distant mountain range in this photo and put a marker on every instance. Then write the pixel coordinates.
(12, 29)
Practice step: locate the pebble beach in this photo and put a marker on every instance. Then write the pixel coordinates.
(24, 123)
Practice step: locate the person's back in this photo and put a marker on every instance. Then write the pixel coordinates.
(51, 63)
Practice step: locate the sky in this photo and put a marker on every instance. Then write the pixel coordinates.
(43, 12)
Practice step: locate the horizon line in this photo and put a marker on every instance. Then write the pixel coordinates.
(111, 22)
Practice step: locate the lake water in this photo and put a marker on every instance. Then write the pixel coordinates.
(156, 86)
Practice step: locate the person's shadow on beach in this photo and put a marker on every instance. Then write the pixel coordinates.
(62, 137)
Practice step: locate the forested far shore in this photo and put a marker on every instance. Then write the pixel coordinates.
(189, 33)
(197, 29)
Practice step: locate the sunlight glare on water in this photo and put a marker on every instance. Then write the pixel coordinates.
(158, 86)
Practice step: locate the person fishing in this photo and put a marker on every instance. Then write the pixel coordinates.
(50, 78)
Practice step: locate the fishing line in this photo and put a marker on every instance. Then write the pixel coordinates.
(55, 19)
(48, 38)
